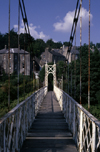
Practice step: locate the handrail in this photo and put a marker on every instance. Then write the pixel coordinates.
(83, 125)
(15, 124)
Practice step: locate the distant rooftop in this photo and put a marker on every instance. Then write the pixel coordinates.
(12, 51)
(56, 53)
(73, 51)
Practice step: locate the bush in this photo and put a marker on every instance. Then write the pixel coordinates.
(98, 96)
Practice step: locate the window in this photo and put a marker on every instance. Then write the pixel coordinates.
(4, 57)
(15, 66)
(10, 65)
(4, 66)
(23, 65)
(10, 56)
(76, 57)
(15, 57)
(23, 57)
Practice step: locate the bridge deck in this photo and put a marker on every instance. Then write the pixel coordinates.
(49, 132)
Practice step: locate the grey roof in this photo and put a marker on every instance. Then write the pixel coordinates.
(74, 51)
(12, 51)
(57, 54)
(43, 53)
(56, 50)
(37, 60)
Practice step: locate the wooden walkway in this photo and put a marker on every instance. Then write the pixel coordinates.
(49, 132)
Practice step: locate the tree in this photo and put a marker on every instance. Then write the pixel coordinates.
(50, 43)
(94, 76)
(66, 43)
(39, 47)
(13, 39)
(98, 45)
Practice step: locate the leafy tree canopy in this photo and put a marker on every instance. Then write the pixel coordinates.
(27, 42)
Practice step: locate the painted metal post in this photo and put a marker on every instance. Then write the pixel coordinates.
(4, 137)
(93, 137)
(54, 75)
(33, 76)
(16, 146)
(89, 63)
(68, 110)
(24, 121)
(18, 51)
(80, 46)
(73, 120)
(81, 129)
(70, 113)
(9, 60)
(46, 74)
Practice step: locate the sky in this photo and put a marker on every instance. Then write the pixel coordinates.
(52, 19)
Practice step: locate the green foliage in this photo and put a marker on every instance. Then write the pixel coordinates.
(42, 74)
(94, 76)
(51, 44)
(3, 78)
(27, 42)
(98, 45)
(91, 44)
(66, 43)
(94, 110)
(98, 97)
(61, 69)
(24, 82)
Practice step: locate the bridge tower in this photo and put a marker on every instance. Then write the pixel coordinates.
(50, 69)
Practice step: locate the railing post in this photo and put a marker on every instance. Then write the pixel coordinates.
(93, 136)
(27, 117)
(4, 136)
(67, 109)
(61, 102)
(64, 105)
(34, 105)
(73, 120)
(16, 147)
(24, 121)
(0, 138)
(81, 119)
(32, 112)
(70, 119)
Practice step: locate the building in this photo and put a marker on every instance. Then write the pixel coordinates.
(73, 55)
(50, 55)
(23, 56)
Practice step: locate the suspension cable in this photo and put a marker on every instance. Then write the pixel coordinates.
(71, 76)
(75, 20)
(18, 51)
(80, 46)
(27, 31)
(9, 60)
(89, 63)
(26, 17)
(75, 66)
(24, 65)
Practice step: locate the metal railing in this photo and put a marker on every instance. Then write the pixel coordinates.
(83, 125)
(15, 124)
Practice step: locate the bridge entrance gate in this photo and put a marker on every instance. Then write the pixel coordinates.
(50, 69)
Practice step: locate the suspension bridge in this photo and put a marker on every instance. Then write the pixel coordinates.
(50, 120)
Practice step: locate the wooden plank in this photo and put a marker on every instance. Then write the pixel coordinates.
(49, 132)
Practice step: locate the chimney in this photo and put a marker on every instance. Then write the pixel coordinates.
(5, 47)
